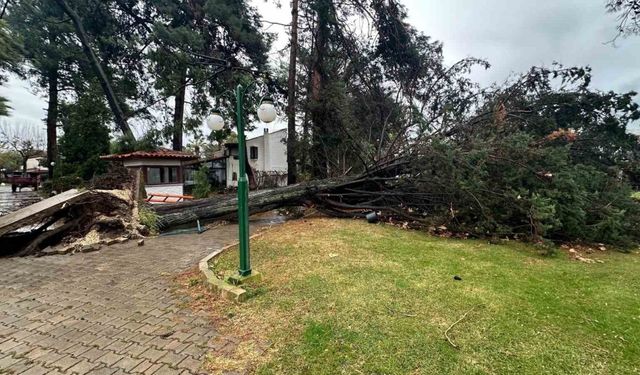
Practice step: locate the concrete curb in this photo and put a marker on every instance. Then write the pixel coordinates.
(226, 290)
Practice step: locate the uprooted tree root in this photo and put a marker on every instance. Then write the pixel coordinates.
(98, 217)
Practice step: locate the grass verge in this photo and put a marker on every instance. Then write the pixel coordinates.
(344, 296)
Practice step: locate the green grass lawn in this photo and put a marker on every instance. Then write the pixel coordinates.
(347, 297)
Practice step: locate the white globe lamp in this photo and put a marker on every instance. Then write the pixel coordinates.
(215, 122)
(267, 111)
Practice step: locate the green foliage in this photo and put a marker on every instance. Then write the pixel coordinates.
(555, 171)
(366, 97)
(10, 160)
(63, 183)
(225, 29)
(150, 141)
(9, 57)
(506, 188)
(85, 137)
(148, 218)
(203, 187)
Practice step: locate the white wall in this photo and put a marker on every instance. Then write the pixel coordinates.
(272, 155)
(233, 165)
(277, 155)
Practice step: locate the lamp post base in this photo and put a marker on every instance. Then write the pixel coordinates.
(238, 279)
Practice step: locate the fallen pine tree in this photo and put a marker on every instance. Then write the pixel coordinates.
(516, 186)
(313, 192)
(532, 162)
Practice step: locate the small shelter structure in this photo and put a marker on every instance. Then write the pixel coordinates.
(161, 170)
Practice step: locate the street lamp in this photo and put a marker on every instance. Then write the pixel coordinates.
(267, 114)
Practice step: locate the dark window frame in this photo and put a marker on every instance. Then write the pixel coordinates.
(253, 152)
(166, 175)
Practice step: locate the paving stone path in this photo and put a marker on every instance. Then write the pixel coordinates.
(107, 312)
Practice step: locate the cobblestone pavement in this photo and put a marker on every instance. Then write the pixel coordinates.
(107, 312)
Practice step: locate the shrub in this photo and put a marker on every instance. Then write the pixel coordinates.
(148, 218)
(202, 188)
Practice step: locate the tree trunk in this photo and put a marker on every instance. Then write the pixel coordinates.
(52, 120)
(178, 112)
(304, 150)
(118, 115)
(292, 138)
(342, 196)
(318, 156)
(222, 207)
(251, 176)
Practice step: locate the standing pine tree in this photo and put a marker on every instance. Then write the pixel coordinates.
(9, 57)
(86, 136)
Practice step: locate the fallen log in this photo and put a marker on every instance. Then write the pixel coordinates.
(260, 201)
(345, 197)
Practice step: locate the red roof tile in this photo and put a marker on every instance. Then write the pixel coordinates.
(162, 153)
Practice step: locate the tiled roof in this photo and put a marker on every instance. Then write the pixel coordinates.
(162, 153)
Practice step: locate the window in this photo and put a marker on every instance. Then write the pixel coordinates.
(172, 174)
(234, 176)
(188, 175)
(154, 175)
(253, 152)
(162, 175)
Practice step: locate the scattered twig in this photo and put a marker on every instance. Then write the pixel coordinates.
(446, 333)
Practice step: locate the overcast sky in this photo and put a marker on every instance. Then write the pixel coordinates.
(512, 35)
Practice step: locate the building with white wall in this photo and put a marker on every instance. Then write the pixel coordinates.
(267, 155)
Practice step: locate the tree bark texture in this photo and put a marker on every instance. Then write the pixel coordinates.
(224, 206)
(349, 196)
(317, 78)
(178, 112)
(292, 137)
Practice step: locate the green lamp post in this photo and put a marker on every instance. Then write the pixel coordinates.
(267, 114)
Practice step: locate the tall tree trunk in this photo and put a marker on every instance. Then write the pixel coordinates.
(52, 120)
(304, 150)
(292, 137)
(118, 115)
(318, 156)
(178, 112)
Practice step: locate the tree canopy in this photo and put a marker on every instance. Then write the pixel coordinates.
(543, 155)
